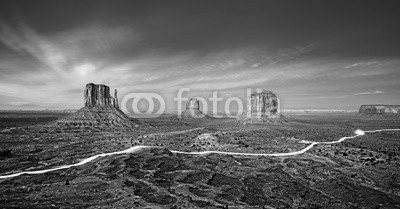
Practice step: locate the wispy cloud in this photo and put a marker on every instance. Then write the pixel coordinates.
(64, 51)
(53, 68)
(370, 92)
(43, 66)
(255, 65)
(362, 64)
(26, 41)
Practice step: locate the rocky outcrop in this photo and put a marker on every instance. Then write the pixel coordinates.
(264, 103)
(193, 110)
(101, 111)
(115, 99)
(193, 104)
(380, 109)
(98, 95)
(262, 107)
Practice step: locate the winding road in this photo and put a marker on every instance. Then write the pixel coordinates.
(139, 147)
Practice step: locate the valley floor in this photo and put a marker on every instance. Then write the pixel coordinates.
(357, 173)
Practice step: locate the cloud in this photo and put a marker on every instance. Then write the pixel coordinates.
(45, 67)
(362, 64)
(53, 68)
(370, 92)
(26, 41)
(255, 65)
(65, 50)
(224, 69)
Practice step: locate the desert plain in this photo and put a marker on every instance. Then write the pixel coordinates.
(362, 172)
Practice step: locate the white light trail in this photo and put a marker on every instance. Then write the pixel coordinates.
(358, 133)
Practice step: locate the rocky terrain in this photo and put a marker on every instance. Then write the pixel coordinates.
(359, 173)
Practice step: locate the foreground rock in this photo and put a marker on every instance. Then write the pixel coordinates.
(101, 110)
(157, 178)
(380, 110)
(262, 107)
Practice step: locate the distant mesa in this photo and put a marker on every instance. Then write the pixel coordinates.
(262, 107)
(380, 110)
(101, 110)
(192, 110)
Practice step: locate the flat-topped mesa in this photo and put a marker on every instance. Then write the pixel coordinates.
(379, 109)
(264, 103)
(98, 95)
(262, 107)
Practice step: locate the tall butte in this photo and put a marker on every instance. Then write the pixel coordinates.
(101, 110)
(262, 107)
(98, 95)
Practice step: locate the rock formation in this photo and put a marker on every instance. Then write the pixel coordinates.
(380, 110)
(115, 99)
(193, 110)
(262, 107)
(101, 110)
(99, 96)
(264, 103)
(193, 104)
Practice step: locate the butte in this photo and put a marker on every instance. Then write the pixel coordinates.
(262, 107)
(101, 111)
(193, 111)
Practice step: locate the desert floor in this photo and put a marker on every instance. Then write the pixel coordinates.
(358, 173)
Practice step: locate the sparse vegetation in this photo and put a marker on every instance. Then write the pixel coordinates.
(361, 172)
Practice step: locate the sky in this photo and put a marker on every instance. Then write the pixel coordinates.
(312, 54)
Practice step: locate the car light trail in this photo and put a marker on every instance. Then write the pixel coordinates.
(358, 133)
